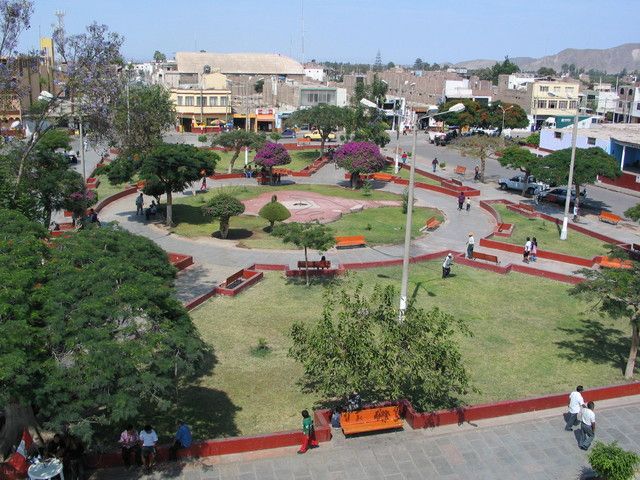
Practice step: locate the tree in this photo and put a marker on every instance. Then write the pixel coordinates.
(417, 65)
(390, 65)
(326, 118)
(174, 166)
(546, 72)
(533, 139)
(275, 136)
(358, 158)
(359, 345)
(258, 86)
(272, 155)
(305, 235)
(521, 159)
(236, 140)
(633, 213)
(589, 163)
(514, 116)
(507, 67)
(480, 146)
(141, 118)
(377, 91)
(616, 292)
(158, 56)
(476, 114)
(274, 212)
(223, 206)
(377, 64)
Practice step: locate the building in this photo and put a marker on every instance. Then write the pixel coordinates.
(314, 72)
(628, 108)
(553, 98)
(471, 88)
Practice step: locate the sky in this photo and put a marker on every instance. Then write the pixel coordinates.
(351, 30)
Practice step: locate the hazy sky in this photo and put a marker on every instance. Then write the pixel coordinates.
(352, 30)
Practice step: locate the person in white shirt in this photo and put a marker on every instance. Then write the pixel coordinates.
(588, 426)
(149, 438)
(446, 265)
(576, 402)
(527, 251)
(470, 245)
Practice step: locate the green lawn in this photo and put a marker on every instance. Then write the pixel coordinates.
(404, 173)
(106, 188)
(548, 235)
(523, 345)
(299, 160)
(383, 225)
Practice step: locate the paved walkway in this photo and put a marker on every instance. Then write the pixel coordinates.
(528, 446)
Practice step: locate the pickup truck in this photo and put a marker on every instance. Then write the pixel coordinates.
(315, 135)
(517, 183)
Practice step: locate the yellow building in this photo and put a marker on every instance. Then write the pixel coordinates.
(205, 106)
(551, 98)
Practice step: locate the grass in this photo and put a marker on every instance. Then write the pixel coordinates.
(383, 225)
(523, 345)
(548, 235)
(299, 160)
(106, 188)
(404, 173)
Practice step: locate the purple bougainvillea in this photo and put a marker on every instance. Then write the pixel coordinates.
(272, 155)
(360, 157)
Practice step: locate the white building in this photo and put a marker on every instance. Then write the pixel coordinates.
(314, 71)
(519, 81)
(606, 102)
(458, 89)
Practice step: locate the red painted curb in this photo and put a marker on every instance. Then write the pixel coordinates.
(179, 260)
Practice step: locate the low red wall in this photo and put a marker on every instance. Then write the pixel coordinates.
(114, 197)
(179, 260)
(559, 257)
(250, 278)
(560, 277)
(502, 270)
(626, 180)
(200, 300)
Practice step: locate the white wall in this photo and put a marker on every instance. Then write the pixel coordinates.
(314, 73)
(341, 97)
(457, 89)
(549, 141)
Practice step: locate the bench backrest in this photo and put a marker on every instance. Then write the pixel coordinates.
(485, 256)
(316, 264)
(371, 415)
(354, 238)
(234, 277)
(610, 215)
(460, 169)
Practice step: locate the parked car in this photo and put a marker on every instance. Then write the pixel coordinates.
(531, 187)
(315, 135)
(288, 133)
(559, 195)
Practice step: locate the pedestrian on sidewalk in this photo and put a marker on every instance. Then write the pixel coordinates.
(576, 213)
(468, 204)
(576, 402)
(476, 173)
(461, 198)
(533, 256)
(434, 164)
(527, 250)
(470, 245)
(309, 438)
(203, 185)
(588, 426)
(140, 204)
(446, 265)
(404, 157)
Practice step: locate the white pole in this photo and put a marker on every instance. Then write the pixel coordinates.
(82, 160)
(574, 139)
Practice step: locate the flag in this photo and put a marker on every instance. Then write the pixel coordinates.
(18, 459)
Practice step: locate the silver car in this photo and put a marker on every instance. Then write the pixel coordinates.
(559, 195)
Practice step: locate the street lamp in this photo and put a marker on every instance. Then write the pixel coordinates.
(504, 110)
(457, 108)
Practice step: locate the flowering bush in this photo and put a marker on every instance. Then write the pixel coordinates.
(271, 155)
(79, 202)
(359, 157)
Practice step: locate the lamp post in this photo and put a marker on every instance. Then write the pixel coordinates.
(504, 110)
(458, 107)
(574, 139)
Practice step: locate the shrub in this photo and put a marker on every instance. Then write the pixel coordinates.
(262, 349)
(274, 212)
(203, 138)
(223, 207)
(443, 165)
(360, 157)
(611, 462)
(272, 155)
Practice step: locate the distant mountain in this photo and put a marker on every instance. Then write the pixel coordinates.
(612, 60)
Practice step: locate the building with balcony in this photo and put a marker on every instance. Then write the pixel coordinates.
(628, 108)
(553, 98)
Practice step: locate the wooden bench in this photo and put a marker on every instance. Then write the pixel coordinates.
(317, 265)
(370, 420)
(608, 217)
(460, 170)
(606, 262)
(504, 226)
(527, 207)
(383, 177)
(353, 241)
(303, 141)
(432, 223)
(486, 257)
(234, 280)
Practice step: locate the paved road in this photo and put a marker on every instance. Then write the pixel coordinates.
(529, 446)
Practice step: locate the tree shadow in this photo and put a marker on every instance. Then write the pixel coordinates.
(594, 342)
(315, 280)
(209, 412)
(193, 282)
(234, 234)
(192, 214)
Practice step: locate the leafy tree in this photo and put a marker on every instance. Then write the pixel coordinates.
(507, 67)
(390, 65)
(326, 118)
(79, 202)
(141, 119)
(589, 163)
(174, 166)
(533, 139)
(223, 206)
(274, 212)
(236, 140)
(473, 115)
(359, 92)
(377, 91)
(358, 158)
(305, 235)
(546, 72)
(359, 345)
(258, 86)
(611, 462)
(633, 213)
(275, 136)
(417, 65)
(616, 292)
(480, 146)
(514, 116)
(272, 155)
(519, 158)
(158, 56)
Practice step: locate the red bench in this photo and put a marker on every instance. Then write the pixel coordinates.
(370, 420)
(608, 217)
(317, 265)
(460, 170)
(352, 241)
(486, 257)
(432, 223)
(606, 262)
(384, 177)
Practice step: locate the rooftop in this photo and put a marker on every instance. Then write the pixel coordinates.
(622, 132)
(239, 63)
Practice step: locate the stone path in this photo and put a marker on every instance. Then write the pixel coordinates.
(528, 446)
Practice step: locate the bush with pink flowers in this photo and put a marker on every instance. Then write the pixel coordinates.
(360, 157)
(272, 155)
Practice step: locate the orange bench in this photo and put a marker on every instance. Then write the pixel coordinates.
(486, 257)
(370, 420)
(384, 177)
(460, 170)
(504, 226)
(317, 265)
(432, 223)
(606, 262)
(353, 241)
(303, 140)
(608, 217)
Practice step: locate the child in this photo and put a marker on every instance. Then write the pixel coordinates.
(468, 202)
(309, 439)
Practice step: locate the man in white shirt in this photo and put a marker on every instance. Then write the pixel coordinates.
(470, 245)
(576, 402)
(149, 438)
(446, 265)
(588, 426)
(527, 250)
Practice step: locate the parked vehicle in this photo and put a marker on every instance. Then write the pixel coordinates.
(530, 187)
(288, 133)
(315, 135)
(559, 195)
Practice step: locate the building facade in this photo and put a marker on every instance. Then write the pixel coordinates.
(553, 98)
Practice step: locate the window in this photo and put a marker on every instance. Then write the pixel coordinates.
(224, 101)
(179, 100)
(630, 92)
(622, 91)
(542, 104)
(562, 104)
(201, 101)
(637, 106)
(591, 141)
(213, 101)
(556, 89)
(553, 104)
(569, 91)
(188, 101)
(558, 135)
(544, 88)
(573, 104)
(619, 104)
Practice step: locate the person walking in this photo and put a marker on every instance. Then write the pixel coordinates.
(576, 402)
(130, 444)
(476, 173)
(434, 164)
(468, 204)
(588, 426)
(309, 439)
(404, 157)
(148, 439)
(182, 440)
(470, 245)
(461, 198)
(526, 251)
(533, 256)
(140, 204)
(446, 265)
(576, 213)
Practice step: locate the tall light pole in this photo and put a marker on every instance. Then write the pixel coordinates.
(574, 138)
(458, 107)
(504, 110)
